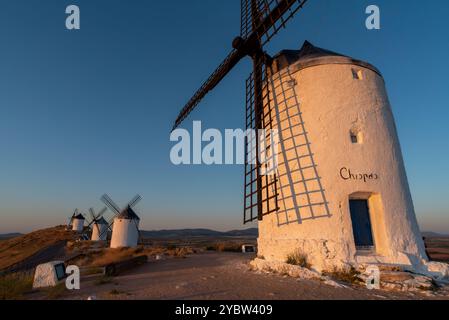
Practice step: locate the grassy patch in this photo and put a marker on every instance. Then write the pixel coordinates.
(116, 292)
(114, 255)
(298, 258)
(94, 259)
(15, 286)
(92, 271)
(54, 293)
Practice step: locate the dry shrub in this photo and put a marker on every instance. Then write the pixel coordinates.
(54, 293)
(103, 257)
(182, 252)
(86, 246)
(153, 251)
(15, 286)
(103, 280)
(115, 255)
(92, 271)
(116, 292)
(84, 261)
(298, 258)
(173, 251)
(344, 274)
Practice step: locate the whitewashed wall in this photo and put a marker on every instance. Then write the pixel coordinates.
(125, 233)
(321, 105)
(78, 225)
(99, 232)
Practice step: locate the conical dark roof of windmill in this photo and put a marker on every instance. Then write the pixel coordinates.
(310, 56)
(80, 217)
(128, 214)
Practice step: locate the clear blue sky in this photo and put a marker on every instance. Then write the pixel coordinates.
(88, 112)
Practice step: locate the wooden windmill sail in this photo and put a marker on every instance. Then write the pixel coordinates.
(261, 20)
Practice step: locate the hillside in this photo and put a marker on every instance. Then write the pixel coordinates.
(20, 248)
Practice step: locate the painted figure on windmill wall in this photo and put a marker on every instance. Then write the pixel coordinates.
(340, 193)
(125, 223)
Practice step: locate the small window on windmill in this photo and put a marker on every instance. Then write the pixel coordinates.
(356, 137)
(357, 74)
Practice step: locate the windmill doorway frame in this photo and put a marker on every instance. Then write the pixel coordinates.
(378, 227)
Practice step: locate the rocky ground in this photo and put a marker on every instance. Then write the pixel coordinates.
(204, 275)
(223, 276)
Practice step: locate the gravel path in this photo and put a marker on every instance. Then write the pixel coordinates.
(217, 276)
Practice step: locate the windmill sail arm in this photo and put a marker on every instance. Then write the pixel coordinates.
(109, 203)
(231, 60)
(134, 201)
(273, 15)
(103, 211)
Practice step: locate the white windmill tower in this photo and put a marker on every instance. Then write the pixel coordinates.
(77, 222)
(99, 225)
(125, 223)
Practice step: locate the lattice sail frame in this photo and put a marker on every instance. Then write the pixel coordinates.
(261, 189)
(268, 149)
(265, 8)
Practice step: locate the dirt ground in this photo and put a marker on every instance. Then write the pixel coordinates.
(217, 276)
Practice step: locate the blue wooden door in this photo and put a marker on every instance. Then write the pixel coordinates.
(361, 224)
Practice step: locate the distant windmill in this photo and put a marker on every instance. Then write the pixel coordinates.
(124, 224)
(70, 221)
(99, 225)
(77, 221)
